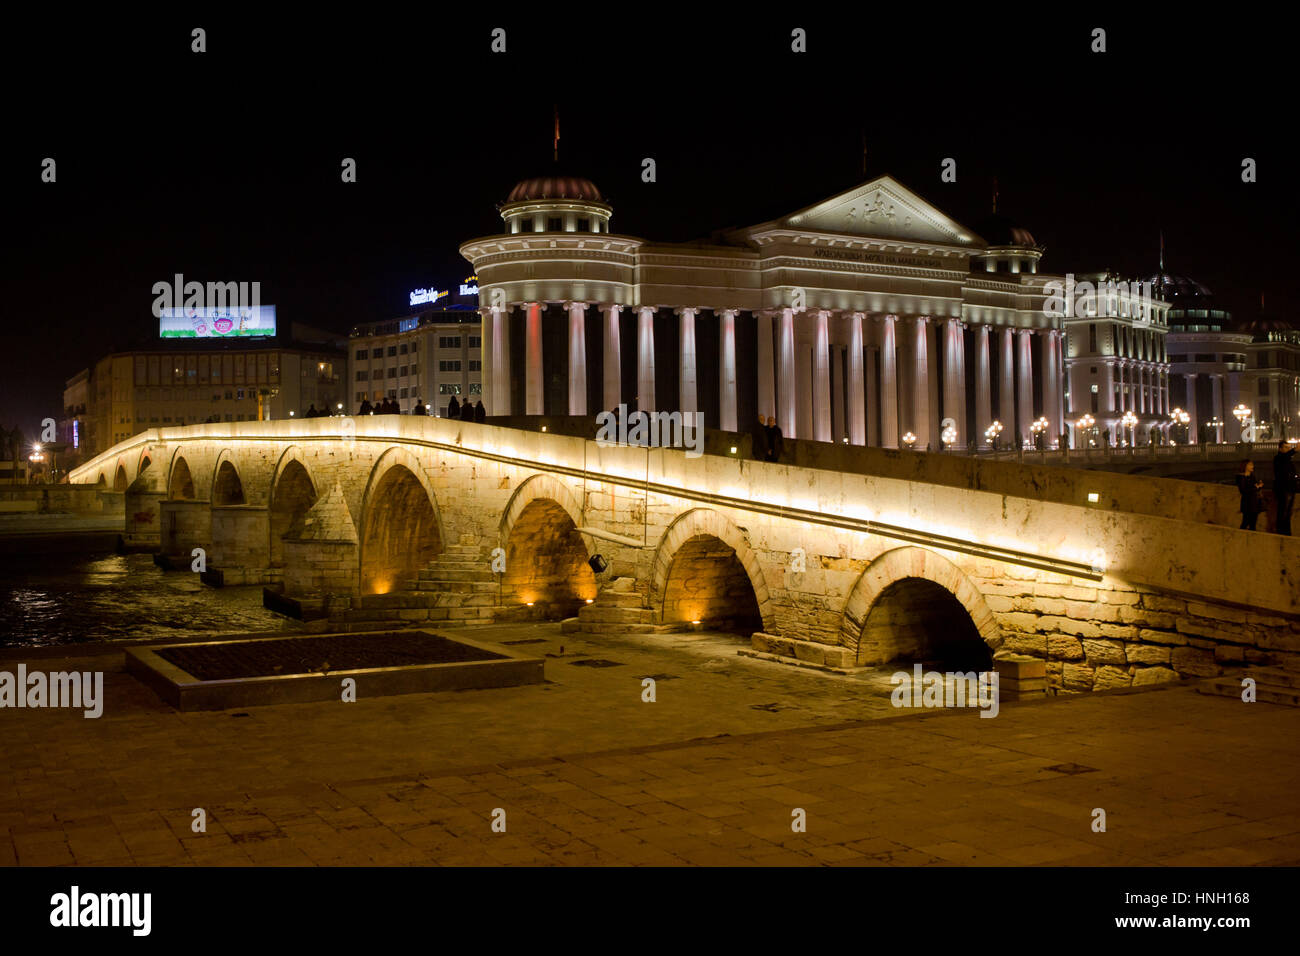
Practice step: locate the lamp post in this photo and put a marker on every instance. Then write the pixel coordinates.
(948, 436)
(1242, 413)
(992, 433)
(909, 440)
(1085, 426)
(1129, 420)
(1180, 417)
(1039, 428)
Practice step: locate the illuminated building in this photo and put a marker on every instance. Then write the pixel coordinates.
(859, 318)
(426, 356)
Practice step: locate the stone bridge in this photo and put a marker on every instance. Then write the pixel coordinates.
(890, 556)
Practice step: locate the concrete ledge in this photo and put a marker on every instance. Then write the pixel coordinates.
(298, 608)
(186, 692)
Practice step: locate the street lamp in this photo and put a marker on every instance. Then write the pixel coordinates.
(1242, 413)
(992, 433)
(1129, 420)
(1180, 417)
(1039, 428)
(909, 440)
(948, 436)
(1085, 425)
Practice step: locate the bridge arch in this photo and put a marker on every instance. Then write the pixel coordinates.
(292, 493)
(143, 462)
(546, 557)
(119, 477)
(705, 570)
(401, 526)
(912, 604)
(227, 487)
(102, 482)
(180, 482)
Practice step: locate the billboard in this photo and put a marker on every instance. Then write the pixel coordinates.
(217, 323)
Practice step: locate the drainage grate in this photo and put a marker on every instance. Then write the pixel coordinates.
(1071, 768)
(526, 640)
(596, 662)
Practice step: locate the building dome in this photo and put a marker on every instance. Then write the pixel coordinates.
(1260, 325)
(1179, 290)
(999, 230)
(555, 187)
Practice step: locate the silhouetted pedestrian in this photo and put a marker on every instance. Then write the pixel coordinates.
(480, 413)
(1284, 485)
(775, 440)
(1250, 487)
(453, 408)
(758, 440)
(311, 411)
(366, 408)
(419, 408)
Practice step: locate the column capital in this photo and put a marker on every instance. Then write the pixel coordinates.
(725, 312)
(684, 309)
(643, 309)
(574, 304)
(610, 307)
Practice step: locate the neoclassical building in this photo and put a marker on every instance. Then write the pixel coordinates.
(862, 318)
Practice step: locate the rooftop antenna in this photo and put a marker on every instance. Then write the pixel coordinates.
(557, 132)
(864, 153)
(1162, 250)
(995, 194)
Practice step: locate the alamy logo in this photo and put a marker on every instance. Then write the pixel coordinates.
(1082, 299)
(60, 689)
(652, 430)
(103, 909)
(180, 295)
(954, 689)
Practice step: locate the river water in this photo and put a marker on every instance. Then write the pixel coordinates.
(82, 598)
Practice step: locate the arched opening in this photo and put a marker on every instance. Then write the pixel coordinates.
(119, 478)
(401, 532)
(707, 583)
(916, 621)
(182, 485)
(145, 462)
(291, 498)
(227, 489)
(103, 482)
(546, 562)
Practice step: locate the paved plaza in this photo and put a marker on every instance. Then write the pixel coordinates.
(587, 772)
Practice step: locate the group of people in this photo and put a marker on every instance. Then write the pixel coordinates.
(385, 406)
(465, 411)
(768, 442)
(314, 412)
(1251, 487)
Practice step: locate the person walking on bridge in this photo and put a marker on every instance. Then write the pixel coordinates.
(775, 440)
(1251, 488)
(758, 440)
(1284, 485)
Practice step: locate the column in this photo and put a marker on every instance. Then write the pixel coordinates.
(785, 384)
(645, 359)
(855, 413)
(766, 383)
(839, 428)
(822, 378)
(727, 370)
(1052, 384)
(1190, 408)
(1122, 368)
(1216, 405)
(954, 387)
(983, 385)
(1006, 391)
(920, 425)
(686, 356)
(488, 325)
(889, 384)
(1025, 384)
(496, 363)
(1230, 401)
(612, 373)
(534, 394)
(577, 358)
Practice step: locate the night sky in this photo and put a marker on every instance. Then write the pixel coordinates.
(225, 166)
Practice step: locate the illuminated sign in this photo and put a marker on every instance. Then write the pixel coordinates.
(469, 286)
(423, 296)
(217, 323)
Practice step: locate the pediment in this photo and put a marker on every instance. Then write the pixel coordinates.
(881, 208)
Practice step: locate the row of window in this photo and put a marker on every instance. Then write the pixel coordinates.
(260, 369)
(408, 392)
(444, 342)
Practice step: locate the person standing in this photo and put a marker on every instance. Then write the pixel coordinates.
(1284, 485)
(480, 413)
(775, 440)
(419, 408)
(453, 408)
(758, 440)
(1249, 485)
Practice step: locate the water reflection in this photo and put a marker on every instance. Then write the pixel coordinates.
(73, 599)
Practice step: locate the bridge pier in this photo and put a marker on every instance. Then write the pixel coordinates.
(240, 552)
(183, 526)
(141, 529)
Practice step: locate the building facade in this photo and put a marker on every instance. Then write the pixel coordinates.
(870, 318)
(183, 382)
(429, 356)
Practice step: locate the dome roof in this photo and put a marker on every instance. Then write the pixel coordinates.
(555, 187)
(999, 230)
(1260, 325)
(1178, 290)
